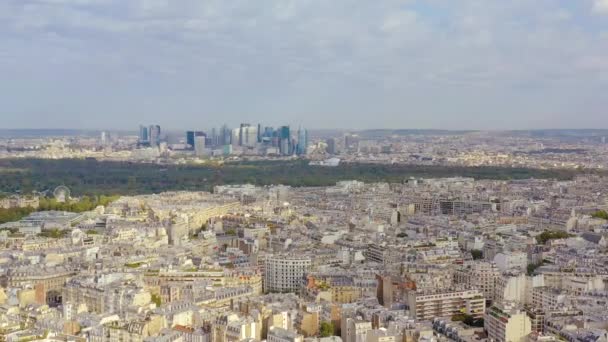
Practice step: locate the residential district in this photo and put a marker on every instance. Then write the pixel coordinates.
(451, 259)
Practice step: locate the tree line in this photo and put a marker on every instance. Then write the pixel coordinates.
(92, 177)
(80, 205)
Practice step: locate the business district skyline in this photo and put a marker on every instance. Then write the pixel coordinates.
(280, 141)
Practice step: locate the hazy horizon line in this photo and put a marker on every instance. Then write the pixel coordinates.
(314, 129)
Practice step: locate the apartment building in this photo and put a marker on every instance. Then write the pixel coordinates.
(507, 323)
(285, 273)
(478, 275)
(445, 303)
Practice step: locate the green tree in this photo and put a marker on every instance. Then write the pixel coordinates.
(468, 320)
(532, 267)
(477, 254)
(54, 233)
(603, 214)
(156, 300)
(551, 235)
(326, 329)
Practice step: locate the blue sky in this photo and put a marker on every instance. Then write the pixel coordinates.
(451, 64)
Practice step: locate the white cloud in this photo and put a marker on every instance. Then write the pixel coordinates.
(305, 50)
(398, 21)
(600, 6)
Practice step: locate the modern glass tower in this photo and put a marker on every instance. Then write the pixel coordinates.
(302, 141)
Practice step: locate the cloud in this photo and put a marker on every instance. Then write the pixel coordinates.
(366, 63)
(600, 6)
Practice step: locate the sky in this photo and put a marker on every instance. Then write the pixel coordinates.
(354, 64)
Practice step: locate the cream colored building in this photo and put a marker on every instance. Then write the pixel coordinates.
(478, 275)
(506, 323)
(445, 303)
(285, 273)
(276, 334)
(355, 330)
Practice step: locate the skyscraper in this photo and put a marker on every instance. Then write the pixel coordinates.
(200, 145)
(214, 140)
(104, 138)
(143, 135)
(225, 135)
(250, 136)
(191, 137)
(241, 132)
(284, 140)
(259, 133)
(154, 135)
(331, 146)
(302, 141)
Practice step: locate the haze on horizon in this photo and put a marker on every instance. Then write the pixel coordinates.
(442, 64)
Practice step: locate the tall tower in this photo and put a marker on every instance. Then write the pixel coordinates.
(241, 132)
(200, 145)
(302, 141)
(190, 138)
(225, 135)
(154, 135)
(331, 146)
(284, 140)
(259, 133)
(214, 139)
(143, 134)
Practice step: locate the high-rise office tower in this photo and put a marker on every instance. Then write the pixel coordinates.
(284, 147)
(250, 136)
(259, 133)
(200, 144)
(154, 135)
(284, 132)
(302, 141)
(284, 140)
(241, 132)
(268, 132)
(143, 134)
(246, 136)
(191, 137)
(225, 135)
(104, 138)
(331, 146)
(214, 140)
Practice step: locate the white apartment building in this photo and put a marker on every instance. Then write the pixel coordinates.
(478, 275)
(355, 330)
(285, 273)
(276, 334)
(383, 335)
(547, 298)
(506, 323)
(516, 288)
(445, 303)
(511, 261)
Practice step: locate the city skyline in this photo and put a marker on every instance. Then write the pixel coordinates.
(345, 64)
(304, 171)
